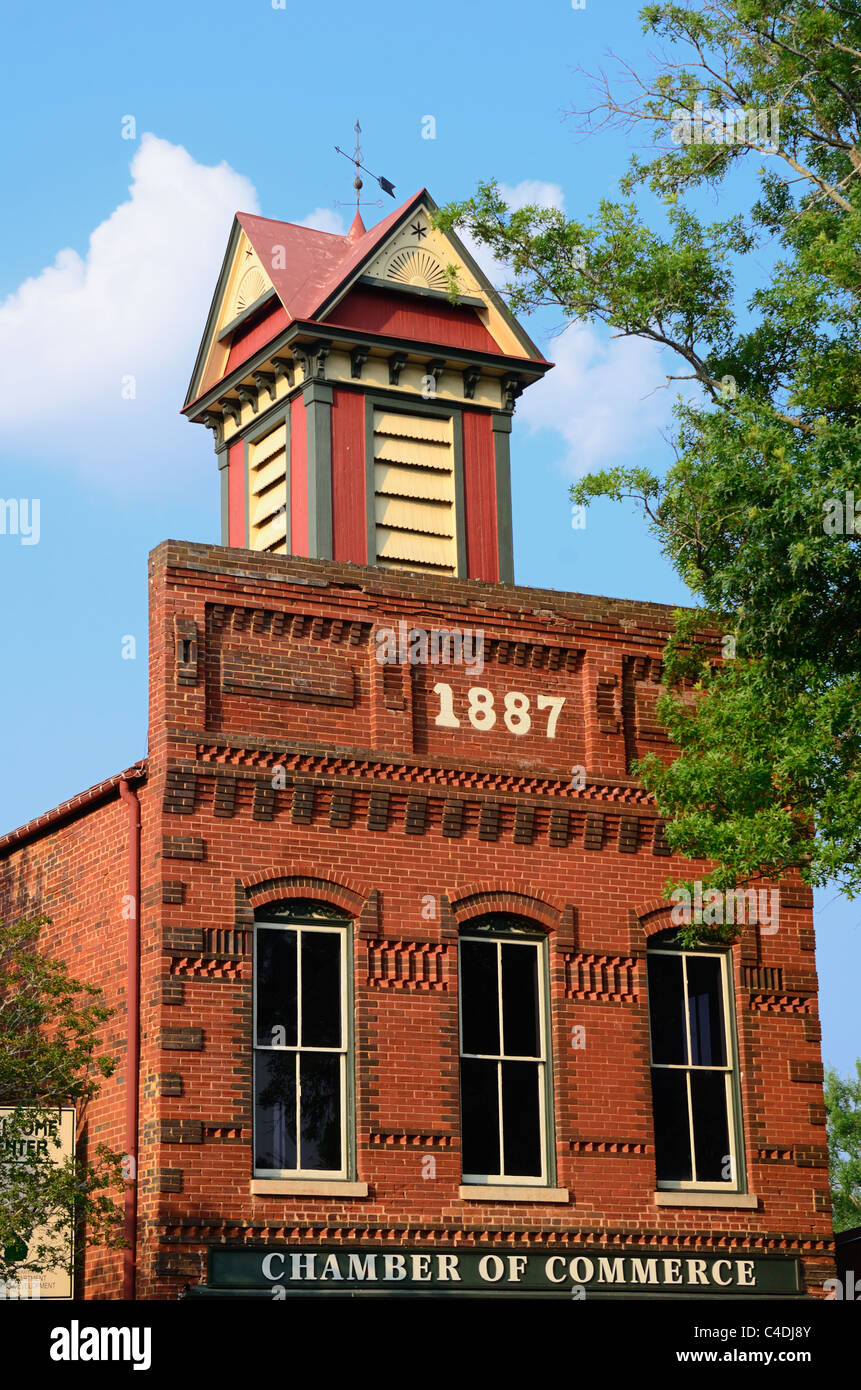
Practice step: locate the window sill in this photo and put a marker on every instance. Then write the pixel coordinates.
(306, 1187)
(491, 1192)
(691, 1198)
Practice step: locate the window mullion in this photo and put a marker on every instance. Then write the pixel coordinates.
(502, 1172)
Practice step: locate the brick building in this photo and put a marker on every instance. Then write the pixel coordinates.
(402, 1006)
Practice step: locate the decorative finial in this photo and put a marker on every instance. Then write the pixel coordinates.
(356, 158)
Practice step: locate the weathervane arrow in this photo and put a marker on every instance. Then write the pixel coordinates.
(385, 184)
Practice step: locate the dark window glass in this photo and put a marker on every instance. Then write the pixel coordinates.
(666, 1009)
(711, 1126)
(321, 989)
(480, 1116)
(672, 1130)
(705, 1006)
(320, 1110)
(275, 1127)
(520, 1028)
(276, 987)
(521, 1119)
(479, 993)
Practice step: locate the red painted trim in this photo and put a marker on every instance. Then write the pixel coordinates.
(236, 501)
(298, 478)
(349, 528)
(249, 338)
(402, 316)
(133, 952)
(479, 477)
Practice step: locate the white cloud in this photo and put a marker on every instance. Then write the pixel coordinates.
(546, 195)
(133, 307)
(598, 397)
(325, 220)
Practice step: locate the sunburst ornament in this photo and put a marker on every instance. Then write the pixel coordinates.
(251, 286)
(417, 268)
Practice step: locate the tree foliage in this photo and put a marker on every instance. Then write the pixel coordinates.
(49, 1057)
(843, 1110)
(753, 510)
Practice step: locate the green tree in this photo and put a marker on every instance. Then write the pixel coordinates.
(843, 1110)
(49, 1057)
(753, 510)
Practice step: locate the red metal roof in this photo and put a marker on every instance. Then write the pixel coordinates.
(316, 263)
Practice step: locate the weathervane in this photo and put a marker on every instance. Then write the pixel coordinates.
(356, 158)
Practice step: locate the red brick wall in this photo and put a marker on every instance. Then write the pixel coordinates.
(414, 828)
(395, 818)
(78, 876)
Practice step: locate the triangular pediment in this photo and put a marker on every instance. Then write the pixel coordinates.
(417, 258)
(243, 287)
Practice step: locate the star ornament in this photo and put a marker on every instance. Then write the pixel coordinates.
(418, 230)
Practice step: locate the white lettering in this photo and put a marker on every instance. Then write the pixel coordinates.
(267, 1267)
(447, 1267)
(485, 1265)
(549, 1272)
(361, 1267)
(644, 1271)
(296, 1263)
(331, 1269)
(716, 1266)
(395, 1267)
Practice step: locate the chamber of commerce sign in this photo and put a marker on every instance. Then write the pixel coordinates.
(287, 1269)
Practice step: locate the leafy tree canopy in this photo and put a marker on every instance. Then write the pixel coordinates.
(753, 511)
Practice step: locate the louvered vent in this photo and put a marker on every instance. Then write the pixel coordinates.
(414, 492)
(267, 480)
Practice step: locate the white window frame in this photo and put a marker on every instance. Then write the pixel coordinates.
(730, 1075)
(499, 939)
(298, 1049)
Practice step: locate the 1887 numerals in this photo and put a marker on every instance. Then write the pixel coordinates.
(482, 713)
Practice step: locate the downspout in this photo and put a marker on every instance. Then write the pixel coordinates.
(132, 1038)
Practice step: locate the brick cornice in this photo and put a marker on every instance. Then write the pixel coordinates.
(361, 764)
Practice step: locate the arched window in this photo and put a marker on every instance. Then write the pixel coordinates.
(301, 1041)
(506, 1108)
(694, 1072)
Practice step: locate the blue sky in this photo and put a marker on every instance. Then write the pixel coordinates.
(110, 249)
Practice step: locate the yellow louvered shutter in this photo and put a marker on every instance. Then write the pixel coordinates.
(267, 485)
(414, 492)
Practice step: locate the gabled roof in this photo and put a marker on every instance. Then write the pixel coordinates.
(317, 263)
(308, 271)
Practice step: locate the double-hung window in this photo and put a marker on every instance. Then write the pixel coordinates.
(503, 1053)
(301, 1042)
(694, 1079)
